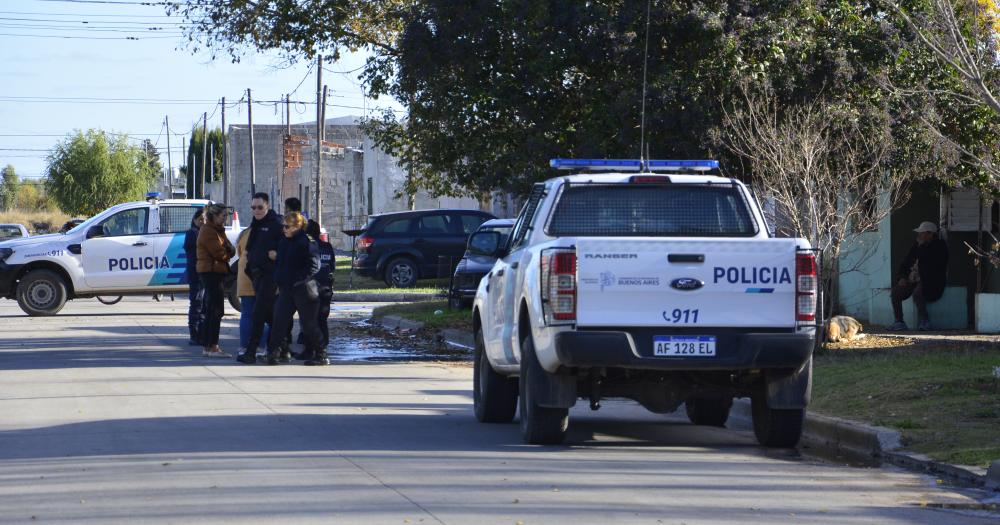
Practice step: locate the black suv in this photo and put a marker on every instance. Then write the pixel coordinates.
(405, 246)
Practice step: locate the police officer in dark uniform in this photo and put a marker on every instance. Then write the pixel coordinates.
(296, 267)
(262, 250)
(196, 293)
(324, 280)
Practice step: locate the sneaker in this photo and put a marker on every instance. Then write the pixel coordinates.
(215, 353)
(924, 326)
(898, 326)
(247, 358)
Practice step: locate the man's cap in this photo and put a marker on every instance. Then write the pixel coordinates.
(926, 226)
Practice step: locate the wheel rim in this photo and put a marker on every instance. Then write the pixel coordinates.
(41, 294)
(402, 274)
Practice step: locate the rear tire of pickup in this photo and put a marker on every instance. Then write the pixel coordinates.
(41, 293)
(776, 427)
(494, 397)
(709, 411)
(539, 425)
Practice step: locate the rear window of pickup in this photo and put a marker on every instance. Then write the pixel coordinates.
(668, 210)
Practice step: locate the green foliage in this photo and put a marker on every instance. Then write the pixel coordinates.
(194, 160)
(89, 172)
(495, 89)
(8, 187)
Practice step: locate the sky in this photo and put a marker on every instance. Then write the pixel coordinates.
(69, 64)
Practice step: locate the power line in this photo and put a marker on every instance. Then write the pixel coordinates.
(89, 37)
(89, 22)
(38, 13)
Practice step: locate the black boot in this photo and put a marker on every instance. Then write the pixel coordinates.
(248, 357)
(284, 354)
(193, 337)
(318, 359)
(272, 356)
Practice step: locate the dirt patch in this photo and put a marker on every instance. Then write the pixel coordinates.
(870, 342)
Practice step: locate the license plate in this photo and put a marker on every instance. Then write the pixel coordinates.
(684, 346)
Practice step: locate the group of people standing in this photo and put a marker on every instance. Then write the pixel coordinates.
(284, 267)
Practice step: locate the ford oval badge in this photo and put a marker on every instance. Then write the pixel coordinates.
(686, 283)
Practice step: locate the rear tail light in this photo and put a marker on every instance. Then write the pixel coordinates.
(364, 243)
(806, 287)
(559, 285)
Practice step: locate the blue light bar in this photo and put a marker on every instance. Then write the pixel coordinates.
(595, 164)
(152, 195)
(674, 165)
(634, 165)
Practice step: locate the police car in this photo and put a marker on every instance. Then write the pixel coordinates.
(135, 248)
(657, 282)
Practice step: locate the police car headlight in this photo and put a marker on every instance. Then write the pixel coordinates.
(5, 253)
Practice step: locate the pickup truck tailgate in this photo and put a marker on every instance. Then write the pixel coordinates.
(652, 282)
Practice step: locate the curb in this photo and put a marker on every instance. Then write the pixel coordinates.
(836, 437)
(394, 322)
(450, 336)
(349, 297)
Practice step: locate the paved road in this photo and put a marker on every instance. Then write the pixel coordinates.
(107, 418)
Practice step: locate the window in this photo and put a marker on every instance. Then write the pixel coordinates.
(432, 225)
(643, 210)
(470, 223)
(527, 215)
(350, 205)
(397, 226)
(128, 222)
(305, 201)
(9, 232)
(176, 219)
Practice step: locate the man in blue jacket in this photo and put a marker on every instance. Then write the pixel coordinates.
(262, 250)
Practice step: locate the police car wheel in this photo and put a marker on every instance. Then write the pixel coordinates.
(708, 411)
(494, 398)
(401, 273)
(539, 425)
(41, 292)
(109, 299)
(775, 427)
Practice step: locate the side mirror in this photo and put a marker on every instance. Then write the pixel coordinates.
(485, 243)
(95, 231)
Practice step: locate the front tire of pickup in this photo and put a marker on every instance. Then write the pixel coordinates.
(709, 411)
(539, 425)
(775, 427)
(41, 293)
(494, 397)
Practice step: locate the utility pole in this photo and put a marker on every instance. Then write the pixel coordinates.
(204, 152)
(187, 169)
(288, 114)
(170, 167)
(320, 127)
(253, 165)
(225, 163)
(211, 164)
(319, 180)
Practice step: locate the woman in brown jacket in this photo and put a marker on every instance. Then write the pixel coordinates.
(214, 252)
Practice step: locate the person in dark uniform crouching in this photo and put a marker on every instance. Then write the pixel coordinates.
(295, 272)
(196, 293)
(324, 280)
(262, 250)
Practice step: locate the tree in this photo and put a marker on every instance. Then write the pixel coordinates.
(151, 156)
(963, 37)
(495, 89)
(89, 172)
(8, 187)
(826, 168)
(195, 151)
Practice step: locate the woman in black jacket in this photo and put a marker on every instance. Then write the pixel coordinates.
(195, 292)
(295, 274)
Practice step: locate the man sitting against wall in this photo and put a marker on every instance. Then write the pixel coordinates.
(921, 275)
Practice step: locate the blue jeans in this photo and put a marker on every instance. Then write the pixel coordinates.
(246, 320)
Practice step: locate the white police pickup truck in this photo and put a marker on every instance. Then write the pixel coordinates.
(662, 288)
(135, 248)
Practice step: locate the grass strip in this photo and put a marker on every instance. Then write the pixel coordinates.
(943, 398)
(426, 312)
